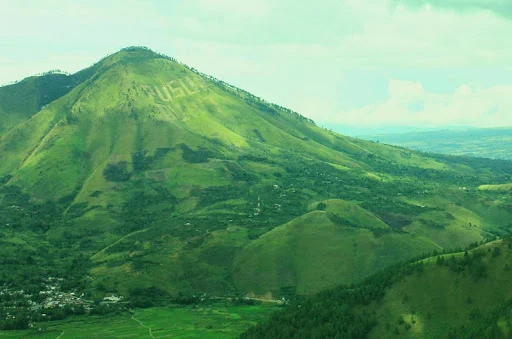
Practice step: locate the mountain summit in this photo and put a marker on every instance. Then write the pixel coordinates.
(141, 172)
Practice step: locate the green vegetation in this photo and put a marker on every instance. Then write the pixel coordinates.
(151, 181)
(497, 188)
(460, 295)
(117, 172)
(204, 321)
(23, 99)
(327, 251)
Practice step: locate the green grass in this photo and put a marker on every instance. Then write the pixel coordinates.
(438, 299)
(496, 188)
(455, 295)
(197, 167)
(312, 253)
(205, 321)
(201, 264)
(20, 101)
(354, 214)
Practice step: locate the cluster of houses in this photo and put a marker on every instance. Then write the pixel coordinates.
(54, 297)
(49, 297)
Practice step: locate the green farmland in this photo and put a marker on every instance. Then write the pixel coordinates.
(211, 321)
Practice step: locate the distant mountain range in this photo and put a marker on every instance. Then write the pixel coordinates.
(493, 143)
(365, 130)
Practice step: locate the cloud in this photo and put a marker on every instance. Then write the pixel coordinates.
(426, 38)
(498, 7)
(406, 90)
(236, 7)
(317, 58)
(409, 104)
(348, 34)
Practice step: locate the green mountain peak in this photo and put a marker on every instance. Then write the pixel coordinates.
(163, 176)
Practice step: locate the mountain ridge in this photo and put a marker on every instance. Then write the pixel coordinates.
(476, 142)
(152, 175)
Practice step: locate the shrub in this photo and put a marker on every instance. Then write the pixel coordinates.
(117, 172)
(321, 206)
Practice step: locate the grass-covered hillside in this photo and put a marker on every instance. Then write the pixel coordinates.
(150, 176)
(23, 99)
(459, 295)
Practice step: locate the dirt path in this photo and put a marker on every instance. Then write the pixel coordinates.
(270, 301)
(263, 300)
(142, 324)
(117, 241)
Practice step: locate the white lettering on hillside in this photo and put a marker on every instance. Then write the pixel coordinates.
(174, 89)
(165, 94)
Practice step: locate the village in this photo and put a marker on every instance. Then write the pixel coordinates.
(21, 309)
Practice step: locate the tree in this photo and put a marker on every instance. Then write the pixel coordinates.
(117, 172)
(321, 206)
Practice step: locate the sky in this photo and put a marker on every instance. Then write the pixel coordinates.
(423, 63)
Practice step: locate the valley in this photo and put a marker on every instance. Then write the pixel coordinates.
(491, 143)
(157, 194)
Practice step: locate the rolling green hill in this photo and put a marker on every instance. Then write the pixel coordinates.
(325, 251)
(458, 295)
(150, 175)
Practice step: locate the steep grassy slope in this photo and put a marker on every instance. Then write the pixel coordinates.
(460, 295)
(20, 101)
(149, 174)
(450, 294)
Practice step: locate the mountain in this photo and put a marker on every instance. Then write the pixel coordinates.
(23, 99)
(495, 143)
(456, 295)
(361, 131)
(149, 175)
